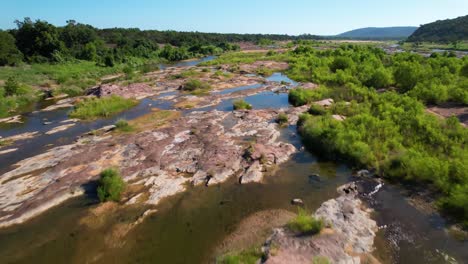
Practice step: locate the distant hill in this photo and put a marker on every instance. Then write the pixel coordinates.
(379, 33)
(442, 31)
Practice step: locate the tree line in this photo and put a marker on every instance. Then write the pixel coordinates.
(41, 42)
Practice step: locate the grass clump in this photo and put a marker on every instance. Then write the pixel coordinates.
(250, 256)
(241, 104)
(320, 260)
(101, 107)
(264, 71)
(282, 119)
(304, 223)
(123, 125)
(196, 87)
(185, 74)
(110, 185)
(300, 96)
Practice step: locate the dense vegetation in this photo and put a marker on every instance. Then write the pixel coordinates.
(449, 30)
(440, 78)
(101, 107)
(390, 130)
(372, 33)
(38, 41)
(110, 186)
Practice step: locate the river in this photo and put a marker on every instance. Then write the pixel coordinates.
(189, 226)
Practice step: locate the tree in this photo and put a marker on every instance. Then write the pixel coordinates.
(37, 39)
(9, 54)
(89, 52)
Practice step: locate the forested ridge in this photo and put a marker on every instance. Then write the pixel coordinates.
(448, 30)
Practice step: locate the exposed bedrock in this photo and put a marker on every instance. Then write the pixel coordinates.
(199, 148)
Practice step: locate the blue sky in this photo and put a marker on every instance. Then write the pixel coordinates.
(324, 17)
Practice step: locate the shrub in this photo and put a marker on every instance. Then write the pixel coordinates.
(341, 63)
(282, 119)
(264, 71)
(300, 96)
(110, 185)
(123, 125)
(241, 104)
(381, 78)
(316, 109)
(129, 72)
(305, 224)
(11, 86)
(101, 107)
(194, 84)
(407, 75)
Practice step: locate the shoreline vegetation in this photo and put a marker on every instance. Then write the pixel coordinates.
(388, 129)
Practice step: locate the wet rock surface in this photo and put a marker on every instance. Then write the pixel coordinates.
(199, 148)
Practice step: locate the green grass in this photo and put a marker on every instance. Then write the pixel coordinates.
(110, 185)
(304, 223)
(241, 104)
(21, 101)
(101, 107)
(79, 73)
(250, 256)
(320, 260)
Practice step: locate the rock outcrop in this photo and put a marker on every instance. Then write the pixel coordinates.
(199, 148)
(349, 238)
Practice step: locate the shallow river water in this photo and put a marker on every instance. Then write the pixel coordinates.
(189, 226)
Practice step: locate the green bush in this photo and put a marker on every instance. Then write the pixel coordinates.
(123, 125)
(381, 78)
(241, 104)
(11, 86)
(282, 119)
(316, 109)
(110, 185)
(304, 223)
(194, 84)
(101, 107)
(341, 63)
(300, 96)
